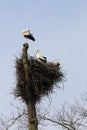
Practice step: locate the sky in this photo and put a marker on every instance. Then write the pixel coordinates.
(60, 30)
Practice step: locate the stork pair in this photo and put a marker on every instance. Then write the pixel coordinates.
(26, 33)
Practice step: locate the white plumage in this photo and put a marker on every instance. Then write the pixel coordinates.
(39, 57)
(26, 33)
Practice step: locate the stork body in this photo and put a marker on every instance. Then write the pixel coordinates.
(39, 57)
(26, 33)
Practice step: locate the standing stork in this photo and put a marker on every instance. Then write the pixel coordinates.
(39, 57)
(26, 33)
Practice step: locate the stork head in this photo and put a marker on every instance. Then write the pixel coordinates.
(37, 51)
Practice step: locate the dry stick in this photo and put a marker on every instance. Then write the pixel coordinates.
(32, 119)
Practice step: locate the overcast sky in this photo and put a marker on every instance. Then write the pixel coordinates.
(60, 30)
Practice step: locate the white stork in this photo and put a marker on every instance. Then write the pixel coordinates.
(39, 57)
(26, 33)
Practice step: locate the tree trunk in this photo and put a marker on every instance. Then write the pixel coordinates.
(32, 118)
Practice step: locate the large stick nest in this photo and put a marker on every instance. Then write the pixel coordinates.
(43, 77)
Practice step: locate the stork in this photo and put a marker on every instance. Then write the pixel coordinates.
(26, 33)
(39, 57)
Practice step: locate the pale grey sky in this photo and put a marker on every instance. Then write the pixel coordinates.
(60, 29)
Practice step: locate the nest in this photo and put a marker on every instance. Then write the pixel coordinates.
(43, 77)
